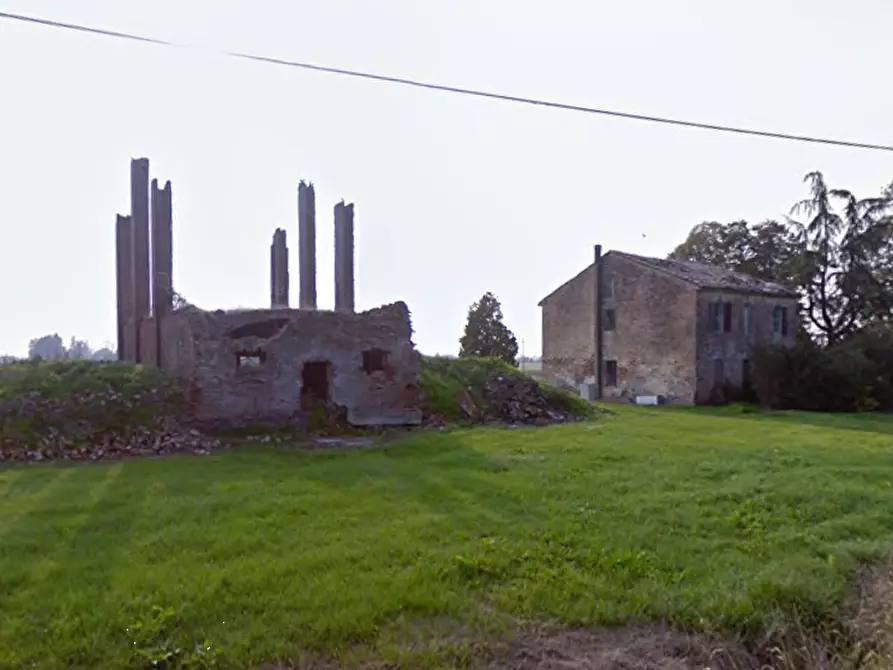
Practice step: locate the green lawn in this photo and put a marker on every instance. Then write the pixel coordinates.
(412, 551)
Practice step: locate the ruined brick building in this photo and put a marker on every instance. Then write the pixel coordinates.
(265, 365)
(676, 329)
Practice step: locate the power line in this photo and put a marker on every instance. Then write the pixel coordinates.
(457, 90)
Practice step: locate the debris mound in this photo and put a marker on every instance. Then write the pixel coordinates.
(84, 410)
(485, 390)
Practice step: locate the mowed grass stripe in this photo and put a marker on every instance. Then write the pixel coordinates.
(25, 492)
(709, 519)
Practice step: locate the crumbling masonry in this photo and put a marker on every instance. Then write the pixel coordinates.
(273, 366)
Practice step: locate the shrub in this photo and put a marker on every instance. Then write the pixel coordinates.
(855, 375)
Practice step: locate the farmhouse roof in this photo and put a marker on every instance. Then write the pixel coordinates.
(700, 275)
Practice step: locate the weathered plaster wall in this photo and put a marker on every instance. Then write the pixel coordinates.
(735, 347)
(225, 392)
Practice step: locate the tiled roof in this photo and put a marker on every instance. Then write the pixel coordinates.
(710, 276)
(702, 276)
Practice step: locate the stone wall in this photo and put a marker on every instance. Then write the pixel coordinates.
(662, 342)
(258, 365)
(653, 342)
(569, 331)
(733, 347)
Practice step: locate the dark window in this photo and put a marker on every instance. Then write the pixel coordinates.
(610, 319)
(315, 380)
(250, 359)
(745, 375)
(374, 360)
(714, 317)
(610, 373)
(780, 320)
(719, 317)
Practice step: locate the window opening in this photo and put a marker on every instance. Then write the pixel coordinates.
(374, 360)
(250, 359)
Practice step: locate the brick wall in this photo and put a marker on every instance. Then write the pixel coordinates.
(270, 390)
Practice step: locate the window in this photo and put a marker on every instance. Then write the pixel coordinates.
(745, 375)
(719, 317)
(780, 320)
(608, 287)
(374, 360)
(610, 373)
(727, 317)
(714, 317)
(250, 359)
(610, 319)
(747, 319)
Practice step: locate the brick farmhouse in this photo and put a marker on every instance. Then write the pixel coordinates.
(676, 329)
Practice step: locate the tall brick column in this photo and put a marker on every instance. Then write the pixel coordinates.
(162, 261)
(123, 283)
(279, 270)
(139, 214)
(344, 255)
(307, 245)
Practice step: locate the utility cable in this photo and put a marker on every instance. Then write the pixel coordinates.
(457, 90)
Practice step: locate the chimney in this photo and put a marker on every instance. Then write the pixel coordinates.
(598, 284)
(162, 261)
(307, 245)
(124, 284)
(139, 255)
(279, 270)
(344, 258)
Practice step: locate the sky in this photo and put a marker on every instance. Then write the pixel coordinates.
(454, 196)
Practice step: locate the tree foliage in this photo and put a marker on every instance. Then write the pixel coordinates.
(486, 334)
(839, 256)
(52, 348)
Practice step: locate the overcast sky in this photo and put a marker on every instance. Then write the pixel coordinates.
(454, 196)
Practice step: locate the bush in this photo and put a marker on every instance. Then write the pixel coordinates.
(855, 375)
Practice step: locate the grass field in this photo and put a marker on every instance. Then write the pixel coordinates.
(415, 551)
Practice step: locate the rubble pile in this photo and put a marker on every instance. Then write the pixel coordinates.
(513, 399)
(488, 390)
(96, 425)
(521, 399)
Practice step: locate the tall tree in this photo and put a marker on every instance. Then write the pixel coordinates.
(840, 256)
(486, 334)
(847, 282)
(48, 347)
(78, 350)
(767, 250)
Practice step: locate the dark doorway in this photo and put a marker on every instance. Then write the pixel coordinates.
(315, 381)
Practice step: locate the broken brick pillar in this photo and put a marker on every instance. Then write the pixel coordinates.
(279, 270)
(123, 283)
(162, 261)
(307, 246)
(139, 214)
(344, 254)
